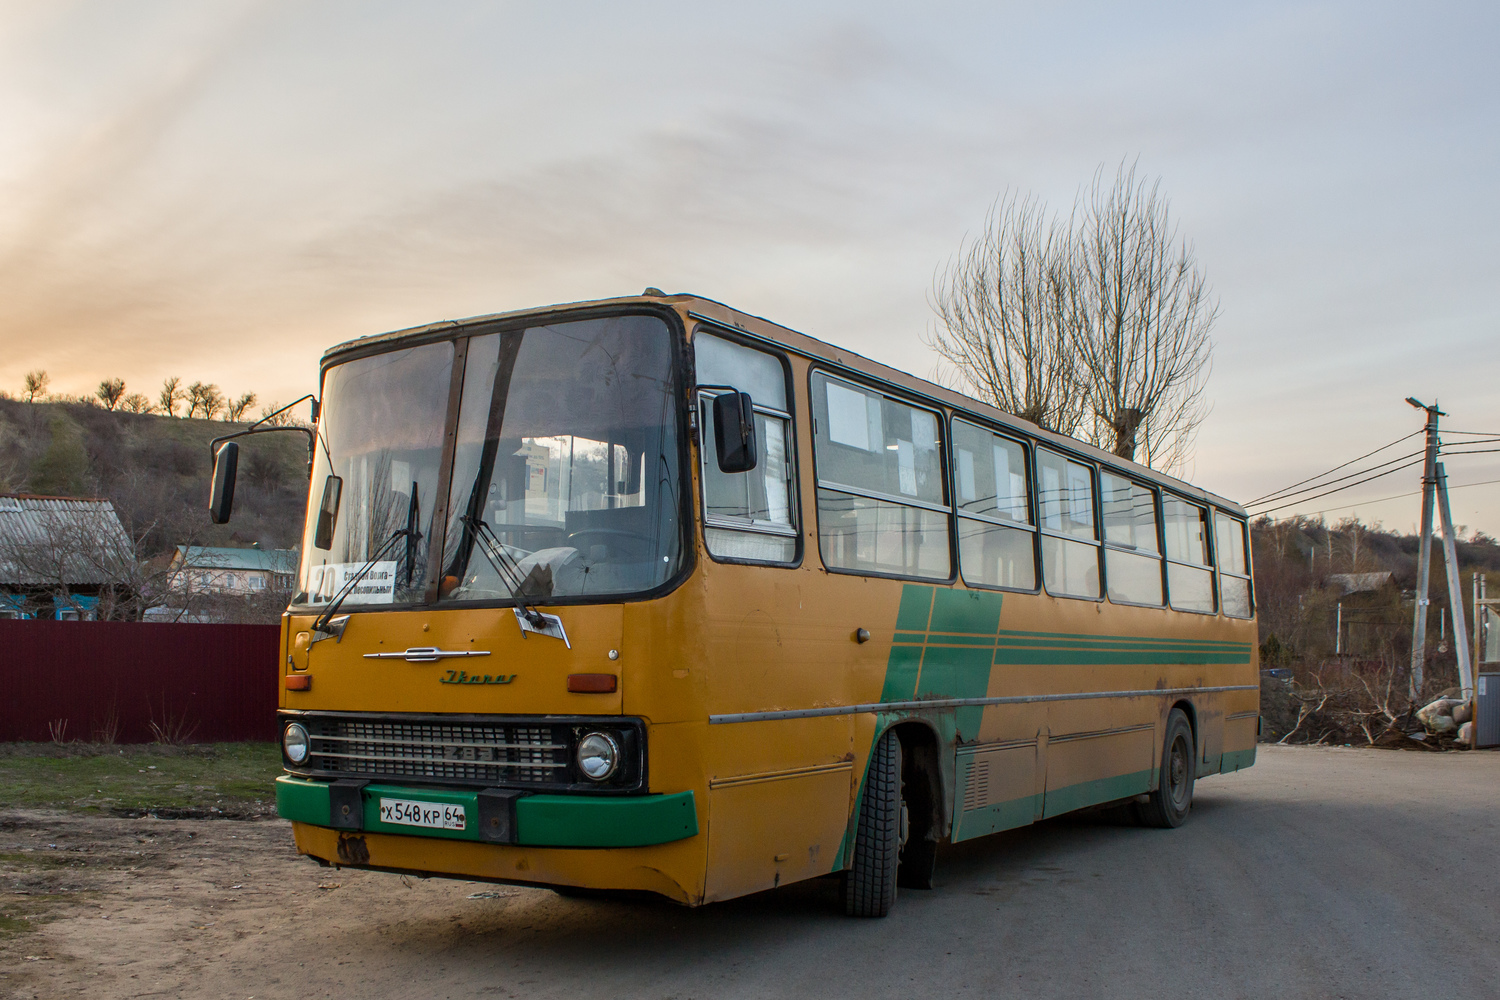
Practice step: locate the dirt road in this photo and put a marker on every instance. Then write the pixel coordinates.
(1318, 873)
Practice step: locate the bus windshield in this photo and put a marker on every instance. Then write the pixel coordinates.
(380, 443)
(566, 469)
(565, 480)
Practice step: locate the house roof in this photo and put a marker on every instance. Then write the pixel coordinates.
(209, 557)
(69, 541)
(1359, 583)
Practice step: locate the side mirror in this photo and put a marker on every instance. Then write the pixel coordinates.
(221, 499)
(328, 512)
(734, 431)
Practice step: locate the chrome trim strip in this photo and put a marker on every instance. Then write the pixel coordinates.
(1069, 737)
(437, 760)
(426, 654)
(971, 749)
(378, 741)
(796, 772)
(914, 706)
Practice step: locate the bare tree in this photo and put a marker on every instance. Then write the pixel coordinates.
(1007, 317)
(136, 403)
(36, 384)
(110, 392)
(235, 410)
(205, 399)
(171, 395)
(1144, 350)
(1097, 326)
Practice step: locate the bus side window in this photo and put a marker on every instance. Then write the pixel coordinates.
(1234, 567)
(996, 539)
(882, 503)
(1190, 580)
(747, 515)
(1132, 557)
(1070, 545)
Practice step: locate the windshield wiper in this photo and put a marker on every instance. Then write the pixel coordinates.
(412, 536)
(505, 566)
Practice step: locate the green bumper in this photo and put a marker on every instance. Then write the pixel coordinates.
(540, 820)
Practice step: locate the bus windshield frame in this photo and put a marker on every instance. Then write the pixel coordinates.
(426, 408)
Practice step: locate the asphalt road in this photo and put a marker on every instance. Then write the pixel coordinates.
(1317, 873)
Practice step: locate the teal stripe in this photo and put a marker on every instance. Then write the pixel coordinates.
(1091, 793)
(1108, 657)
(1125, 638)
(1236, 760)
(996, 817)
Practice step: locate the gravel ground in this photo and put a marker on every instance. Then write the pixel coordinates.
(1318, 873)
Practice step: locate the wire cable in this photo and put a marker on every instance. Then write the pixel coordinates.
(1399, 496)
(1277, 498)
(1340, 489)
(1336, 468)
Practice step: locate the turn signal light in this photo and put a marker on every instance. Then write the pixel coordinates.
(299, 682)
(592, 683)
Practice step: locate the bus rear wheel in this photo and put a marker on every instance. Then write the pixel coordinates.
(1168, 806)
(870, 884)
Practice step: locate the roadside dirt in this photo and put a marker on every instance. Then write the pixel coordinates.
(154, 907)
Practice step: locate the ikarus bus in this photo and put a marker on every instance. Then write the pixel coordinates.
(651, 594)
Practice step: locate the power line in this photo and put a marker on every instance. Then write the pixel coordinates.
(1402, 496)
(1285, 495)
(1340, 489)
(1336, 468)
(1476, 451)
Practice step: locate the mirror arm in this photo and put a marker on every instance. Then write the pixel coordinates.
(255, 428)
(213, 446)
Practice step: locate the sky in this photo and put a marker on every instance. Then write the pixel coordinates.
(222, 191)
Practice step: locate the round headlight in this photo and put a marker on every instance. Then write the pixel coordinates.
(294, 742)
(598, 756)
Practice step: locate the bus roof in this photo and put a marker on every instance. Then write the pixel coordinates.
(759, 328)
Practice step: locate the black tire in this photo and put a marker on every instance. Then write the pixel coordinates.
(1168, 806)
(870, 885)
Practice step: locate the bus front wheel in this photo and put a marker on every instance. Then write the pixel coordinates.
(870, 884)
(1168, 806)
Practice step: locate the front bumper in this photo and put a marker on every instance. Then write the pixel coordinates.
(533, 820)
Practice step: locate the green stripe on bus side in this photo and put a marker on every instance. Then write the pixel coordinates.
(1091, 793)
(1107, 657)
(995, 817)
(1236, 760)
(1125, 638)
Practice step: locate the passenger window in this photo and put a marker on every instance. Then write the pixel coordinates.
(1132, 560)
(1234, 565)
(1070, 546)
(882, 506)
(1190, 583)
(996, 540)
(747, 515)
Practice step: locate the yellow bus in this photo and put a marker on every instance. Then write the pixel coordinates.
(651, 594)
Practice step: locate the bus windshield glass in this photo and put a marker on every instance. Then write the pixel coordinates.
(375, 471)
(566, 468)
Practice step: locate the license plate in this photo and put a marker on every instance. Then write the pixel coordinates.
(433, 815)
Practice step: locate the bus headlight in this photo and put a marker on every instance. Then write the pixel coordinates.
(598, 756)
(294, 743)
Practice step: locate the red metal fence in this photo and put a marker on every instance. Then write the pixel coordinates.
(197, 683)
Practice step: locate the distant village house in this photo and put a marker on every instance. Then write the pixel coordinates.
(60, 557)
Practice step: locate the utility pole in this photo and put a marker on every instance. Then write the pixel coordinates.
(1424, 557)
(1455, 594)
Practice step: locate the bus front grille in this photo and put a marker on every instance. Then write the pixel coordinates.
(498, 753)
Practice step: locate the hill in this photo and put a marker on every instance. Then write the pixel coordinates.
(156, 470)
